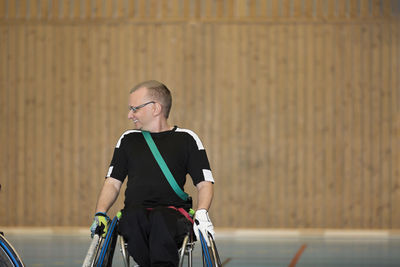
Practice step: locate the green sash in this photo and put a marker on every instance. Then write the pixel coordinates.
(167, 173)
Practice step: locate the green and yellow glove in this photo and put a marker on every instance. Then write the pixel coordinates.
(100, 224)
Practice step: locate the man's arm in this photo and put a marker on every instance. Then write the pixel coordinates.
(108, 194)
(205, 194)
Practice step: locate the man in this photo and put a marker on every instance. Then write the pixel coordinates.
(150, 222)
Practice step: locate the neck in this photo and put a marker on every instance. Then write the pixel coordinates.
(159, 126)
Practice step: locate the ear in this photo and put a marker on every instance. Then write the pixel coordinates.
(157, 109)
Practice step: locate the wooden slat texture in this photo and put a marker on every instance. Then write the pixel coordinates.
(330, 6)
(358, 85)
(281, 123)
(65, 138)
(3, 9)
(377, 7)
(299, 116)
(241, 9)
(291, 126)
(395, 122)
(376, 134)
(56, 107)
(337, 138)
(341, 8)
(308, 8)
(385, 137)
(10, 187)
(22, 8)
(20, 58)
(29, 118)
(139, 9)
(229, 6)
(365, 157)
(273, 148)
(301, 87)
(319, 124)
(348, 117)
(328, 131)
(309, 129)
(4, 115)
(47, 138)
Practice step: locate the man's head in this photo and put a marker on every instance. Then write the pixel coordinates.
(157, 92)
(149, 104)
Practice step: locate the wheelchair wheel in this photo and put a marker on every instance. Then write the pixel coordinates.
(8, 256)
(105, 251)
(214, 251)
(209, 253)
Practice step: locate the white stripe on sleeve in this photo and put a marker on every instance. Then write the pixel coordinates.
(208, 175)
(195, 137)
(123, 135)
(110, 171)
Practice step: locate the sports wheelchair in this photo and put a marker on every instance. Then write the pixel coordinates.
(101, 250)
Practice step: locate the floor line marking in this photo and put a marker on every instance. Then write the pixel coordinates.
(226, 262)
(297, 256)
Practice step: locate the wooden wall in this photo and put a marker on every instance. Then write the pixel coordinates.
(297, 103)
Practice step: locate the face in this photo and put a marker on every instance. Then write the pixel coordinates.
(142, 116)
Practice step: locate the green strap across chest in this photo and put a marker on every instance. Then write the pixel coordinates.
(164, 168)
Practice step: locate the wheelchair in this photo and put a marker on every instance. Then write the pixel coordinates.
(8, 255)
(101, 250)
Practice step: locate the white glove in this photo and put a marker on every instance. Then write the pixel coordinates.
(203, 224)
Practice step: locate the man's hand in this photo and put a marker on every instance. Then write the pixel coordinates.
(100, 223)
(203, 224)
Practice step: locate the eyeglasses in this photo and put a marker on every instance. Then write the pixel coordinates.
(134, 109)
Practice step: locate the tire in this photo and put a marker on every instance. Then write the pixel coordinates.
(8, 256)
(105, 256)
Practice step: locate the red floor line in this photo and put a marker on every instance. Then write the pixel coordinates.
(297, 256)
(226, 262)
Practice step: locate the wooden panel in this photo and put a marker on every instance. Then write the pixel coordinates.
(282, 118)
(48, 118)
(301, 137)
(291, 126)
(273, 128)
(366, 133)
(10, 188)
(376, 116)
(395, 123)
(385, 206)
(4, 132)
(29, 119)
(241, 9)
(20, 57)
(3, 9)
(210, 9)
(328, 131)
(226, 45)
(56, 108)
(299, 119)
(358, 84)
(337, 138)
(261, 201)
(330, 6)
(350, 129)
(309, 128)
(319, 123)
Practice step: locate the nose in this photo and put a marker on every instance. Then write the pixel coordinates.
(130, 114)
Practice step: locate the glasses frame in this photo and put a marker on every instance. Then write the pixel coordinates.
(134, 109)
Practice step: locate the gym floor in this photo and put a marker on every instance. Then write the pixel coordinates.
(244, 249)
